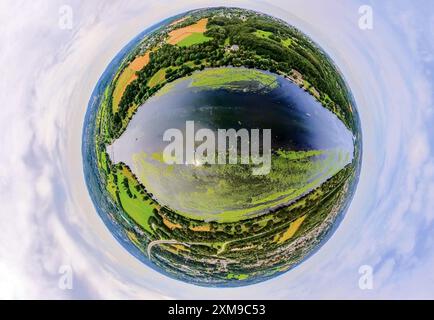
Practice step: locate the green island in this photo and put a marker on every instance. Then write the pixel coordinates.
(266, 237)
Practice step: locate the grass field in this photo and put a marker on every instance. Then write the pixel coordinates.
(237, 276)
(157, 78)
(263, 34)
(194, 38)
(140, 211)
(287, 42)
(266, 35)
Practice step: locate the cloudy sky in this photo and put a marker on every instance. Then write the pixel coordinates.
(50, 229)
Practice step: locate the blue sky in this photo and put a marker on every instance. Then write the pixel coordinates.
(48, 220)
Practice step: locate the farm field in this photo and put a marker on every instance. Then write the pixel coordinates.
(127, 76)
(194, 38)
(178, 35)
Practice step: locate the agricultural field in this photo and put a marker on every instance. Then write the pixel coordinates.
(194, 38)
(263, 34)
(127, 76)
(190, 34)
(157, 78)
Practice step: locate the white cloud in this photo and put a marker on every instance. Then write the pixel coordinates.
(47, 216)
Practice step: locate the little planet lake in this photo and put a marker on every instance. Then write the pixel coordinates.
(297, 121)
(293, 164)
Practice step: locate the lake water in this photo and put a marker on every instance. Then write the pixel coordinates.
(297, 122)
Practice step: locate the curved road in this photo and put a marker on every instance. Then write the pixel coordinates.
(158, 242)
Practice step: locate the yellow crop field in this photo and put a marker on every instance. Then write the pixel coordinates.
(180, 34)
(292, 229)
(126, 77)
(200, 228)
(171, 225)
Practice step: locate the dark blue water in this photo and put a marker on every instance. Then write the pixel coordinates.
(297, 121)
